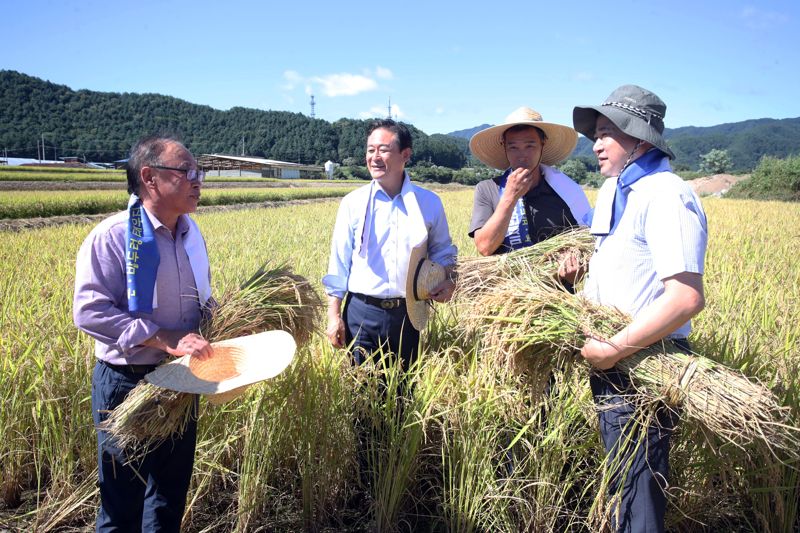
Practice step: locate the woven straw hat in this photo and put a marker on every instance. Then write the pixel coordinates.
(423, 276)
(487, 145)
(236, 364)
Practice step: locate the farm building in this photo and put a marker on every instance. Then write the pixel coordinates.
(232, 165)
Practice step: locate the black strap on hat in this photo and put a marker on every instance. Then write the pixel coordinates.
(646, 114)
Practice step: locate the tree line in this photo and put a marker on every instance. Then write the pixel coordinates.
(746, 143)
(102, 126)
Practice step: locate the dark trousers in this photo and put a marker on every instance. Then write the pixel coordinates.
(640, 464)
(148, 495)
(374, 328)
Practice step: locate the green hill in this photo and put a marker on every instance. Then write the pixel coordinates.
(101, 126)
(746, 142)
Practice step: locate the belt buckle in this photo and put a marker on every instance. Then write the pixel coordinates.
(390, 303)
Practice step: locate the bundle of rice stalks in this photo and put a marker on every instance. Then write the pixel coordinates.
(547, 325)
(271, 299)
(477, 275)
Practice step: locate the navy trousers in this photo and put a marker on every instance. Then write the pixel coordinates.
(374, 328)
(148, 495)
(640, 466)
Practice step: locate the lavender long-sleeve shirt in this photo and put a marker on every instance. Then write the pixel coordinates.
(100, 305)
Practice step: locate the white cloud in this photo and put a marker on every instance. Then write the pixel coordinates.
(760, 19)
(292, 78)
(439, 110)
(341, 84)
(377, 111)
(374, 112)
(345, 84)
(383, 73)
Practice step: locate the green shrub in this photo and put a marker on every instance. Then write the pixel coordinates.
(433, 173)
(354, 172)
(473, 175)
(575, 169)
(773, 179)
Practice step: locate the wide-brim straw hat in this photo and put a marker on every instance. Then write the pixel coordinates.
(236, 364)
(634, 110)
(487, 145)
(423, 276)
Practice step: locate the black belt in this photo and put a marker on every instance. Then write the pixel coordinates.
(130, 369)
(383, 303)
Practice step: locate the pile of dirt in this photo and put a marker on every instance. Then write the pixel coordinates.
(715, 185)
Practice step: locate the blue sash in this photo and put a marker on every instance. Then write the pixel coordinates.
(141, 258)
(652, 162)
(518, 235)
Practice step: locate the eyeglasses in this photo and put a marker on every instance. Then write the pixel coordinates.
(192, 174)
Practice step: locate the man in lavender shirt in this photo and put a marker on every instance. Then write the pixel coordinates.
(168, 266)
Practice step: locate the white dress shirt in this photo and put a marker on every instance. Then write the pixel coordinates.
(378, 266)
(663, 231)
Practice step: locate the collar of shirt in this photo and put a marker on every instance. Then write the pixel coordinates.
(181, 228)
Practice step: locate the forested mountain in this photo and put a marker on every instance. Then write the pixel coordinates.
(469, 132)
(102, 126)
(746, 142)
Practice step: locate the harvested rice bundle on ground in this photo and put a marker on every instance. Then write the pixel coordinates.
(477, 275)
(535, 319)
(272, 299)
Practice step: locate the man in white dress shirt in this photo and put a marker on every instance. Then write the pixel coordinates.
(376, 228)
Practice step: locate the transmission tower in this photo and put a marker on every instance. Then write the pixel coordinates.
(389, 109)
(312, 106)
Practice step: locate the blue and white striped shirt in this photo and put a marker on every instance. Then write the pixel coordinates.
(663, 232)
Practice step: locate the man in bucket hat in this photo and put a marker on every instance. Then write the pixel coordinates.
(142, 282)
(651, 239)
(531, 200)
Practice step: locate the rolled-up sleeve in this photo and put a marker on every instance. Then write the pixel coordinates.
(99, 303)
(335, 281)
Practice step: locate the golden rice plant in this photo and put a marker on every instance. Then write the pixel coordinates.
(273, 298)
(538, 319)
(477, 275)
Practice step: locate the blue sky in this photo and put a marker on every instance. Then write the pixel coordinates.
(444, 65)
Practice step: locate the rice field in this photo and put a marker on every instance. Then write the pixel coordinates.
(26, 204)
(474, 448)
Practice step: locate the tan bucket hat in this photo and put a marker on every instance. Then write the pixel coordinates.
(487, 145)
(236, 364)
(423, 276)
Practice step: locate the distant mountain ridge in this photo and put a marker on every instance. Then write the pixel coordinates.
(468, 133)
(102, 126)
(746, 141)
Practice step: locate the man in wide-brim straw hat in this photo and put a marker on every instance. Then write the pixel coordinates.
(531, 200)
(651, 240)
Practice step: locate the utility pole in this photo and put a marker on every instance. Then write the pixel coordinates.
(242, 145)
(43, 154)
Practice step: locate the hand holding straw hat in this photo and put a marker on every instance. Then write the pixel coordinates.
(235, 364)
(423, 278)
